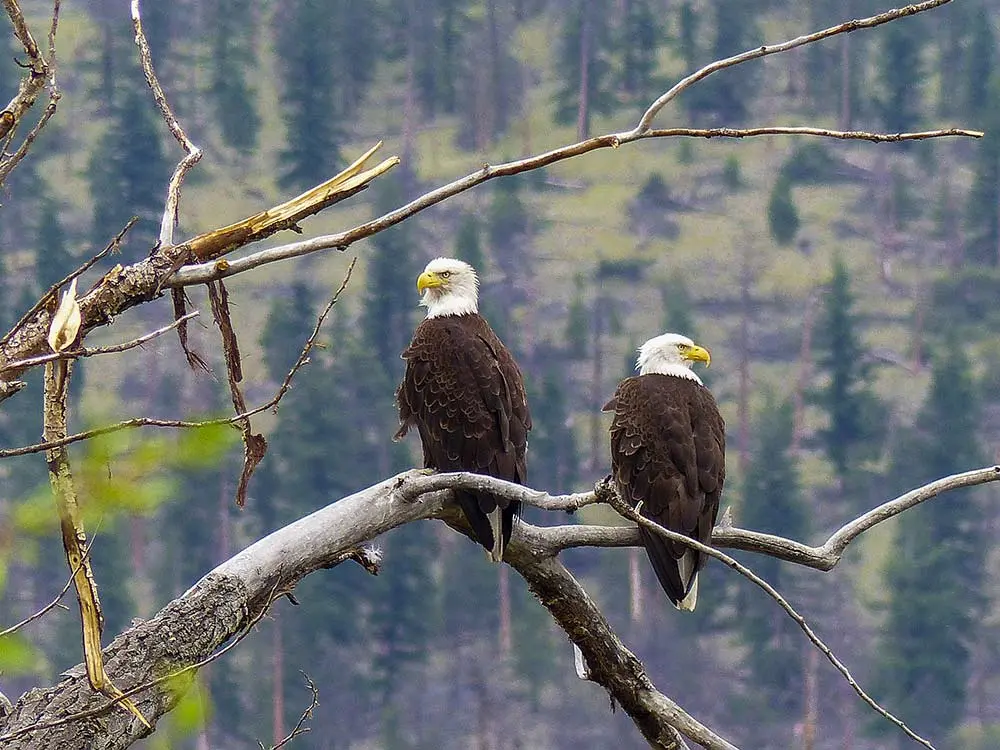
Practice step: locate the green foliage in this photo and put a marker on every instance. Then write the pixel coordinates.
(982, 223)
(578, 321)
(555, 459)
(53, 259)
(687, 35)
(856, 416)
(782, 215)
(980, 67)
(127, 173)
(468, 243)
(772, 503)
(676, 300)
(392, 269)
(732, 175)
(286, 329)
(231, 86)
(583, 63)
(306, 47)
(639, 39)
(813, 164)
(726, 97)
(963, 303)
(18, 656)
(900, 73)
(935, 575)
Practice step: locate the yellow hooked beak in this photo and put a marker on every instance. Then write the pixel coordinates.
(428, 280)
(698, 354)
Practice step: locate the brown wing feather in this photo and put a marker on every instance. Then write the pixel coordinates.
(465, 394)
(668, 452)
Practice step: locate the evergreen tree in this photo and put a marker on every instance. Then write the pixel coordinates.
(900, 73)
(676, 301)
(982, 224)
(935, 575)
(855, 415)
(584, 70)
(639, 42)
(555, 460)
(578, 321)
(391, 273)
(772, 503)
(232, 92)
(286, 329)
(468, 243)
(129, 172)
(305, 45)
(53, 259)
(980, 66)
(687, 36)
(725, 97)
(782, 215)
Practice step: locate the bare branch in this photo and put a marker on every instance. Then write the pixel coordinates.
(183, 424)
(40, 73)
(645, 122)
(623, 509)
(205, 272)
(299, 727)
(192, 153)
(83, 352)
(54, 603)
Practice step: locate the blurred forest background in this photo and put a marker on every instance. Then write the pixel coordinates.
(848, 293)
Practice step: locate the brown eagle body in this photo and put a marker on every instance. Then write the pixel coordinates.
(464, 393)
(668, 454)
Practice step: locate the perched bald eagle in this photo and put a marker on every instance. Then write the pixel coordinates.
(668, 457)
(464, 393)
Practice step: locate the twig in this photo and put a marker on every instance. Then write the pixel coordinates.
(306, 715)
(112, 246)
(192, 153)
(127, 694)
(204, 272)
(645, 122)
(184, 424)
(55, 602)
(625, 510)
(83, 352)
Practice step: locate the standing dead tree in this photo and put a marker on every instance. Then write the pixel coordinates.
(153, 661)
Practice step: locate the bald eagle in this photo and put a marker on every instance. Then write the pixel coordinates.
(464, 393)
(668, 457)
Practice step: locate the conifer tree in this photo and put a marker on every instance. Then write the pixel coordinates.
(391, 297)
(128, 172)
(305, 44)
(584, 70)
(772, 503)
(286, 329)
(979, 70)
(935, 575)
(900, 72)
(555, 459)
(639, 42)
(231, 89)
(782, 215)
(854, 413)
(53, 259)
(982, 220)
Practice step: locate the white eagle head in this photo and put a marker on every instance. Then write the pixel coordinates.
(449, 287)
(671, 354)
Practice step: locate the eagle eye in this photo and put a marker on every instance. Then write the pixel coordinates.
(445, 274)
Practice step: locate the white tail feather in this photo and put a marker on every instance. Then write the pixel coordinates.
(687, 604)
(496, 523)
